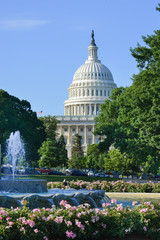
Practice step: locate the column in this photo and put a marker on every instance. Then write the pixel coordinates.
(69, 135)
(90, 109)
(85, 134)
(85, 109)
(94, 109)
(77, 129)
(93, 137)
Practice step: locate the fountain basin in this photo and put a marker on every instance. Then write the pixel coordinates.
(23, 186)
(74, 197)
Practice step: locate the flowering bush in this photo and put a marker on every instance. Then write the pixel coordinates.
(68, 222)
(111, 186)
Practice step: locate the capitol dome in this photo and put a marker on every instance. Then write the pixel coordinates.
(92, 85)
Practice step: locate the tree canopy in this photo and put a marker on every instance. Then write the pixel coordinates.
(53, 152)
(130, 120)
(16, 115)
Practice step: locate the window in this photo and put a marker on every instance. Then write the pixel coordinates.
(81, 129)
(89, 129)
(65, 140)
(100, 92)
(97, 110)
(65, 129)
(83, 92)
(96, 92)
(82, 141)
(108, 93)
(92, 110)
(87, 92)
(104, 92)
(73, 129)
(89, 140)
(92, 92)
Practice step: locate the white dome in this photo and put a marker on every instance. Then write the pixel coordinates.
(92, 85)
(92, 71)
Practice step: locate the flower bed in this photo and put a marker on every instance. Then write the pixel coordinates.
(68, 222)
(111, 186)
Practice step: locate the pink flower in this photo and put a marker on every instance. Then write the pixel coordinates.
(36, 210)
(119, 207)
(30, 223)
(10, 223)
(134, 203)
(143, 210)
(106, 205)
(79, 224)
(114, 201)
(70, 234)
(36, 230)
(59, 219)
(144, 228)
(21, 229)
(45, 238)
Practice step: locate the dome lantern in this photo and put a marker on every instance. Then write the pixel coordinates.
(92, 50)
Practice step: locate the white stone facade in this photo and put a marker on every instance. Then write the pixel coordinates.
(92, 85)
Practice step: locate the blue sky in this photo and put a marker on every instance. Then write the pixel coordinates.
(43, 42)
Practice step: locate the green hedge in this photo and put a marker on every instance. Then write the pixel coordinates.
(111, 186)
(81, 223)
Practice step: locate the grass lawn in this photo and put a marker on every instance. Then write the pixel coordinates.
(60, 178)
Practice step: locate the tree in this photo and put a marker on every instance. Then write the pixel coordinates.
(49, 154)
(131, 120)
(77, 159)
(77, 146)
(62, 151)
(49, 150)
(17, 115)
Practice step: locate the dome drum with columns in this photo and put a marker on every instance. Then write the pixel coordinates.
(92, 85)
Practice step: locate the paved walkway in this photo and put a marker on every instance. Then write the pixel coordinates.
(133, 196)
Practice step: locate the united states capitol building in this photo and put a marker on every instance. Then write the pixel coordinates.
(92, 84)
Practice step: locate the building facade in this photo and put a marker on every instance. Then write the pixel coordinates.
(92, 85)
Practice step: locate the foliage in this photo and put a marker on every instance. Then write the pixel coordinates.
(77, 159)
(131, 118)
(62, 152)
(77, 146)
(69, 222)
(52, 153)
(16, 115)
(112, 186)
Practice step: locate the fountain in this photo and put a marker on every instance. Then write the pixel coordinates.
(15, 191)
(15, 155)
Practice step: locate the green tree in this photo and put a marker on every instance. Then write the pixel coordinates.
(16, 115)
(77, 159)
(92, 156)
(49, 154)
(49, 151)
(62, 151)
(131, 119)
(77, 146)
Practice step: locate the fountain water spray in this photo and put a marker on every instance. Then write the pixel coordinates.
(15, 151)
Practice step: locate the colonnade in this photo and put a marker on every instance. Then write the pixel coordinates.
(85, 134)
(82, 109)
